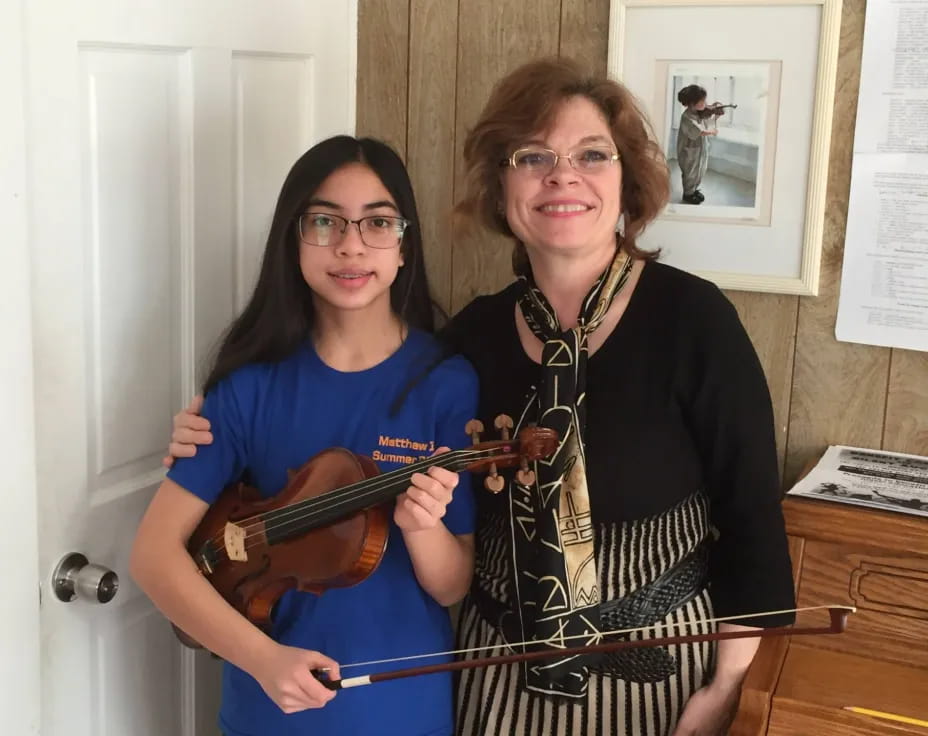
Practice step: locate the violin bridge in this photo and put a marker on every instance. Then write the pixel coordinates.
(234, 538)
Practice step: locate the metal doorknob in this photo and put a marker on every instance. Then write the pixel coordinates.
(75, 577)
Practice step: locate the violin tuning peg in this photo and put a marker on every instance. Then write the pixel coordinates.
(494, 483)
(524, 476)
(503, 423)
(474, 427)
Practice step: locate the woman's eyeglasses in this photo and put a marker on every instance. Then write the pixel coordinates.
(377, 231)
(538, 161)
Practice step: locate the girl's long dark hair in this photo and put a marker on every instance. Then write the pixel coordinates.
(279, 315)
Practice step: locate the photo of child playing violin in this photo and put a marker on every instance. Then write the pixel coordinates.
(333, 350)
(719, 133)
(693, 139)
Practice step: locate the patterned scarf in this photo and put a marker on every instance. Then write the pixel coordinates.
(556, 578)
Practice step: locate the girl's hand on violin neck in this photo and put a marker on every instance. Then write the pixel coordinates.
(424, 503)
(190, 430)
(285, 675)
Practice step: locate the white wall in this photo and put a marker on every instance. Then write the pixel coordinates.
(19, 600)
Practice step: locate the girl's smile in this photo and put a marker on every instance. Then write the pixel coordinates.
(351, 279)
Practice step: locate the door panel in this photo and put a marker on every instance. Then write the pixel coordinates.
(265, 140)
(158, 136)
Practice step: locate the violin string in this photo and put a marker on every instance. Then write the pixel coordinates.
(368, 487)
(373, 484)
(615, 632)
(381, 481)
(250, 523)
(355, 492)
(350, 494)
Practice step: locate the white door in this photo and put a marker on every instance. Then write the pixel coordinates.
(158, 133)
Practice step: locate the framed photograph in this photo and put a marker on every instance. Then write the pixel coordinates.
(739, 94)
(720, 150)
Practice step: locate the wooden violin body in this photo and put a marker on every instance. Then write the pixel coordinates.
(332, 556)
(328, 528)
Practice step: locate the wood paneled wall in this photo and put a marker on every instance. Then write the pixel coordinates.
(425, 68)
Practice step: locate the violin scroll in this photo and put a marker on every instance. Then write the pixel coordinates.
(532, 443)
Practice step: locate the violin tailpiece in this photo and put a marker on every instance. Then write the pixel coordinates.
(234, 539)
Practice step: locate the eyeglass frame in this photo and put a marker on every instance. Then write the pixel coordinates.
(511, 161)
(344, 230)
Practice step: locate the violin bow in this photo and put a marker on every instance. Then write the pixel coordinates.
(837, 625)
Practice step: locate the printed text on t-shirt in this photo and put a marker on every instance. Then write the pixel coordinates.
(403, 443)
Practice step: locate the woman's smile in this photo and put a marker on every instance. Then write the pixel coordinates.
(563, 208)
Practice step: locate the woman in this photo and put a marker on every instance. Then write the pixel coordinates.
(668, 509)
(339, 318)
(662, 505)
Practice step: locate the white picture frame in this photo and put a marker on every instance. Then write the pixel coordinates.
(759, 225)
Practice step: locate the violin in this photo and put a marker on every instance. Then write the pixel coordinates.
(715, 109)
(328, 527)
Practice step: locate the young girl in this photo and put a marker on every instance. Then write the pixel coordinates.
(323, 356)
(693, 142)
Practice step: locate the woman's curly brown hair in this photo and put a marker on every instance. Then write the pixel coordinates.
(526, 101)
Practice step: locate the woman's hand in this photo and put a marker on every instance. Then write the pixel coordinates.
(424, 503)
(710, 711)
(190, 430)
(285, 675)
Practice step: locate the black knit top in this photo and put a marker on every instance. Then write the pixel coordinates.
(677, 404)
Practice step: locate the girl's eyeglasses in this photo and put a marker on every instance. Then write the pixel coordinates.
(377, 231)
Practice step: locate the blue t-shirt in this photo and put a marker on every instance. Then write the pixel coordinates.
(268, 418)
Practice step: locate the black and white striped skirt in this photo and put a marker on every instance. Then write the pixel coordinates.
(493, 701)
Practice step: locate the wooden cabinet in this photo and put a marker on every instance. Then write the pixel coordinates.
(847, 555)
